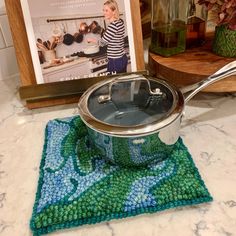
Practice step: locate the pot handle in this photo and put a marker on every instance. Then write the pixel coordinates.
(228, 70)
(107, 97)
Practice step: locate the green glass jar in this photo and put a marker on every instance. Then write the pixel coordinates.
(168, 25)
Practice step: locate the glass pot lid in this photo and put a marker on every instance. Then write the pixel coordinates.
(130, 105)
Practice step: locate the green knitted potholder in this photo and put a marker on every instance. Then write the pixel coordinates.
(76, 186)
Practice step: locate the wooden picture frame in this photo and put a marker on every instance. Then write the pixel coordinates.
(56, 93)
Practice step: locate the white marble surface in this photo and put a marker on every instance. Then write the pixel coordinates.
(208, 130)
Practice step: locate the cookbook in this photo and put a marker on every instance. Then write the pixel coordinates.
(67, 38)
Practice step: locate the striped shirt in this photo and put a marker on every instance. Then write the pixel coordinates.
(114, 39)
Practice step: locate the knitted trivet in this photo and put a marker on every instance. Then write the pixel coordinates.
(76, 186)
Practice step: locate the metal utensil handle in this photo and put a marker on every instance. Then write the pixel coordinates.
(191, 90)
(107, 97)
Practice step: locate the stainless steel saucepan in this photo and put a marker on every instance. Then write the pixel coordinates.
(135, 119)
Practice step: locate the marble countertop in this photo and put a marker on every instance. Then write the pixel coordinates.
(208, 130)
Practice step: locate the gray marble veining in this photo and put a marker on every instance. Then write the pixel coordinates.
(208, 130)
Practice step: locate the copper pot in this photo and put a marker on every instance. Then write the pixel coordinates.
(83, 28)
(78, 37)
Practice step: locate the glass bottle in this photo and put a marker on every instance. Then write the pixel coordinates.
(168, 25)
(196, 24)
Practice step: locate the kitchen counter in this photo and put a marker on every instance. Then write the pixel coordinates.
(208, 130)
(68, 62)
(66, 69)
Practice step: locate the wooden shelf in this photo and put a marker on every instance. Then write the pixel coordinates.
(193, 66)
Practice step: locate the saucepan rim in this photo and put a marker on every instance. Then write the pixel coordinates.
(135, 130)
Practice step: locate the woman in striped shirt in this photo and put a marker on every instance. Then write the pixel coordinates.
(114, 38)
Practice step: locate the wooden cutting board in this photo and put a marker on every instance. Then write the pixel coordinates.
(192, 66)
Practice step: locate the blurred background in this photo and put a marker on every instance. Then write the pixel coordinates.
(8, 64)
